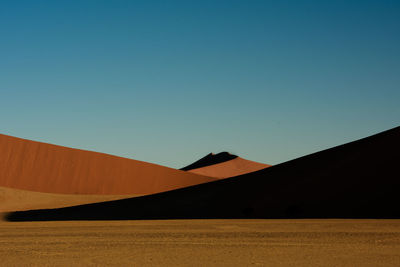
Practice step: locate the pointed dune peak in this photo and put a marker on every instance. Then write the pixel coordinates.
(224, 165)
(210, 159)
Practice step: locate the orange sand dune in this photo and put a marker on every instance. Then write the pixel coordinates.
(355, 180)
(233, 167)
(18, 200)
(42, 167)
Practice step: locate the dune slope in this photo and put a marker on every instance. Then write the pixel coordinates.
(42, 167)
(17, 200)
(356, 180)
(233, 167)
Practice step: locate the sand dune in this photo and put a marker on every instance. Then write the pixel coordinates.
(18, 200)
(36, 166)
(233, 167)
(210, 159)
(356, 180)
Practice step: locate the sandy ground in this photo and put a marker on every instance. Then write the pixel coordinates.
(16, 200)
(202, 243)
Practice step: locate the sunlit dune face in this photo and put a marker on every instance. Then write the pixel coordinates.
(41, 167)
(230, 168)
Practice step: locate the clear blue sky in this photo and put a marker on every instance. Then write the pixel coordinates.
(170, 81)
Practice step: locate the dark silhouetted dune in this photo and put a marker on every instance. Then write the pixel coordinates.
(41, 167)
(360, 179)
(210, 159)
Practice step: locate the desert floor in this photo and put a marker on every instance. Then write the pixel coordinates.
(202, 243)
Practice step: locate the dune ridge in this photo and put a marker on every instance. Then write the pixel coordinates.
(36, 166)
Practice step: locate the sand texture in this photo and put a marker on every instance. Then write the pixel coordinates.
(17, 200)
(202, 243)
(41, 167)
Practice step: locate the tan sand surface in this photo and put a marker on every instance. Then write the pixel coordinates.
(201, 243)
(230, 168)
(42, 167)
(17, 200)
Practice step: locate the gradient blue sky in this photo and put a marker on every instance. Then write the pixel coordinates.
(170, 81)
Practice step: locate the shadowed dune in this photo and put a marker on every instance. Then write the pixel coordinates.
(42, 167)
(210, 159)
(233, 167)
(360, 179)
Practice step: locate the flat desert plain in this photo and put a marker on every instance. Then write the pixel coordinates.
(201, 243)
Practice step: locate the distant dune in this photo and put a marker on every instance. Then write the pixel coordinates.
(210, 159)
(229, 168)
(360, 179)
(41, 167)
